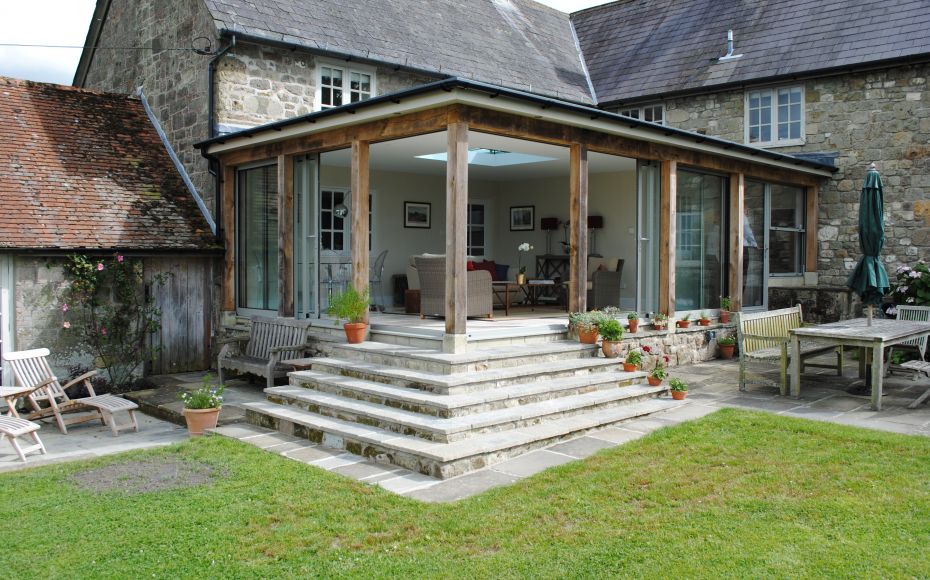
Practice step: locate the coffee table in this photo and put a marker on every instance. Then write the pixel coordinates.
(503, 288)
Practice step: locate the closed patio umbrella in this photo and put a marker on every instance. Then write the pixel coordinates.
(869, 280)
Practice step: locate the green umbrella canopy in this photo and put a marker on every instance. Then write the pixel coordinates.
(869, 280)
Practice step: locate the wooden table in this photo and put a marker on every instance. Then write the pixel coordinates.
(856, 332)
(502, 289)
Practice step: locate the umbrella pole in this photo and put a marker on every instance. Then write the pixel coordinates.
(869, 315)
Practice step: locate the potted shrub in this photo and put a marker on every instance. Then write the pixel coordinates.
(679, 389)
(611, 332)
(633, 360)
(658, 372)
(727, 345)
(585, 324)
(633, 320)
(202, 406)
(684, 321)
(351, 306)
(659, 321)
(704, 320)
(725, 309)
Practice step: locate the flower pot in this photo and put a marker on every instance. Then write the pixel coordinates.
(587, 335)
(630, 368)
(683, 323)
(656, 326)
(200, 419)
(679, 395)
(704, 322)
(654, 382)
(610, 348)
(724, 317)
(634, 325)
(355, 332)
(521, 278)
(726, 350)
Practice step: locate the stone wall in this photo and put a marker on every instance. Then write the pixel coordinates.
(818, 304)
(260, 84)
(684, 346)
(174, 81)
(881, 116)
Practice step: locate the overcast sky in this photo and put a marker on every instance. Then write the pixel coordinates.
(65, 22)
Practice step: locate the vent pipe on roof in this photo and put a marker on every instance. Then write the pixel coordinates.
(729, 55)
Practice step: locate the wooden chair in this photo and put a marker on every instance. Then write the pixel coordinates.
(48, 397)
(13, 427)
(269, 341)
(764, 337)
(915, 367)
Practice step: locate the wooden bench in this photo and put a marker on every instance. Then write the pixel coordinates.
(269, 341)
(764, 337)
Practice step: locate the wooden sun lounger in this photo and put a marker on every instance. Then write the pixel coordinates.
(13, 427)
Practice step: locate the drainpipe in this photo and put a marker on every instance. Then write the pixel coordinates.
(211, 128)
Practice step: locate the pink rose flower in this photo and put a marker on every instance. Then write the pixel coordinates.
(66, 324)
(64, 307)
(103, 331)
(99, 267)
(119, 258)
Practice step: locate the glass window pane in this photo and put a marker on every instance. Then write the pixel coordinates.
(787, 207)
(784, 252)
(257, 238)
(753, 242)
(326, 240)
(782, 130)
(699, 254)
(337, 77)
(337, 97)
(337, 241)
(766, 133)
(795, 131)
(365, 83)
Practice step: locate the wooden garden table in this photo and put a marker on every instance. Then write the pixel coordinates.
(856, 332)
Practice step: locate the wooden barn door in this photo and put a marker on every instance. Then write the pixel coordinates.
(185, 303)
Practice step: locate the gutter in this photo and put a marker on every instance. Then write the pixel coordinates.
(139, 252)
(177, 162)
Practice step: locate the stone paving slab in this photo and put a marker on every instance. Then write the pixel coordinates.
(465, 486)
(582, 447)
(532, 463)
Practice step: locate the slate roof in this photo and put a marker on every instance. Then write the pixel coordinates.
(516, 43)
(86, 170)
(640, 48)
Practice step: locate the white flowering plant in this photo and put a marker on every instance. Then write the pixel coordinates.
(523, 248)
(207, 396)
(911, 286)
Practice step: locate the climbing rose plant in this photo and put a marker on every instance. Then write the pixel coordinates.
(109, 312)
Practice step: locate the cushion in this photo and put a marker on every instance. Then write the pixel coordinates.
(501, 272)
(470, 265)
(595, 264)
(488, 266)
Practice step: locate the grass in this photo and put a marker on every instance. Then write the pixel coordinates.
(736, 494)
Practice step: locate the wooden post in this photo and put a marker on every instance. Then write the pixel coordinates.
(812, 225)
(456, 232)
(737, 202)
(285, 236)
(667, 237)
(229, 237)
(578, 218)
(359, 215)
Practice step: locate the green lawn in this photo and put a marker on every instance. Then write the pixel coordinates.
(736, 494)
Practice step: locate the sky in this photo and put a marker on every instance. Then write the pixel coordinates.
(65, 22)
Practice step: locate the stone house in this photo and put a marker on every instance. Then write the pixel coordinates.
(86, 172)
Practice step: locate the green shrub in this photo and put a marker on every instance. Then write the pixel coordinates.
(610, 330)
(677, 384)
(349, 305)
(634, 357)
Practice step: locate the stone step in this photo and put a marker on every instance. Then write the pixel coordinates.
(455, 405)
(441, 460)
(459, 428)
(434, 361)
(461, 382)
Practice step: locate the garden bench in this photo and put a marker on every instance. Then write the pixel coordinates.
(764, 337)
(260, 352)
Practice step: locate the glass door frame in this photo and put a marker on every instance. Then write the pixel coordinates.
(307, 227)
(766, 222)
(648, 205)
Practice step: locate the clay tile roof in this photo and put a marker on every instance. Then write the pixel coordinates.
(85, 169)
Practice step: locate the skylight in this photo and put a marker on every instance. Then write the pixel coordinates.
(492, 157)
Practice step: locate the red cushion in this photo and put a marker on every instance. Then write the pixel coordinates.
(490, 267)
(470, 266)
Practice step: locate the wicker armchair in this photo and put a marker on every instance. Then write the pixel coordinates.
(432, 274)
(605, 285)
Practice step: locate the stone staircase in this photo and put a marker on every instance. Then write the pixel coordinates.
(444, 415)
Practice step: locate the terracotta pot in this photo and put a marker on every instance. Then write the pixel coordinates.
(654, 382)
(658, 326)
(588, 336)
(521, 278)
(200, 419)
(679, 395)
(630, 368)
(683, 323)
(704, 322)
(355, 332)
(610, 348)
(724, 317)
(634, 325)
(726, 350)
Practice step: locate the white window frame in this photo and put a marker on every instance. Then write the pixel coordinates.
(347, 72)
(775, 141)
(641, 112)
(486, 227)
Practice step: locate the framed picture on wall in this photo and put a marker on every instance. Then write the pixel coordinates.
(417, 214)
(523, 218)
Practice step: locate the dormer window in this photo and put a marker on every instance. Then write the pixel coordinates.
(651, 113)
(343, 85)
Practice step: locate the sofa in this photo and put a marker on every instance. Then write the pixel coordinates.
(430, 277)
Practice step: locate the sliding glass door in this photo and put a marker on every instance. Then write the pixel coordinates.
(257, 238)
(700, 256)
(755, 246)
(306, 238)
(648, 246)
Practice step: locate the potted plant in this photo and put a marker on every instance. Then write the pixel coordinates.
(634, 358)
(679, 389)
(727, 345)
(659, 321)
(585, 324)
(202, 406)
(611, 332)
(633, 320)
(658, 372)
(725, 304)
(351, 306)
(704, 320)
(522, 249)
(684, 321)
